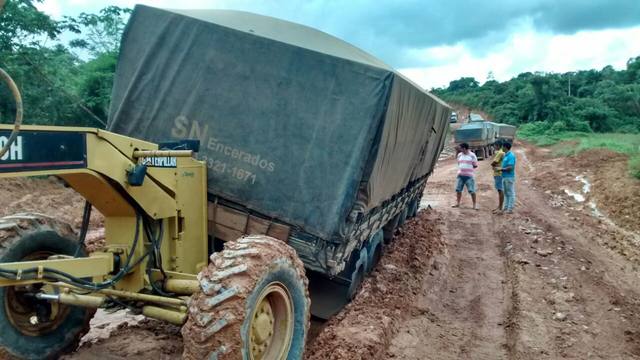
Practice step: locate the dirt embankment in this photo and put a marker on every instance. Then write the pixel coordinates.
(611, 188)
(365, 327)
(49, 196)
(573, 296)
(594, 189)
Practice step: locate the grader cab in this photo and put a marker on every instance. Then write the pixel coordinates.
(248, 301)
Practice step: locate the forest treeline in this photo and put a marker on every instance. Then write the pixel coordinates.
(605, 100)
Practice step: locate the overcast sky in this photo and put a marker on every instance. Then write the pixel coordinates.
(434, 42)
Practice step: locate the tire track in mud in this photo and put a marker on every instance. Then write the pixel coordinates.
(512, 298)
(468, 300)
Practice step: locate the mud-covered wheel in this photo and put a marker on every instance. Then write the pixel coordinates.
(374, 250)
(254, 304)
(390, 228)
(403, 217)
(358, 273)
(30, 328)
(413, 208)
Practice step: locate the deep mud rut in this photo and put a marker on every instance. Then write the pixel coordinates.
(550, 281)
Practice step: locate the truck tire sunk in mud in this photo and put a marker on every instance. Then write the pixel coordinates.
(30, 328)
(254, 304)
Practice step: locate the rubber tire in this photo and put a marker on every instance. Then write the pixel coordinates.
(403, 217)
(375, 248)
(413, 208)
(222, 331)
(389, 229)
(358, 273)
(21, 235)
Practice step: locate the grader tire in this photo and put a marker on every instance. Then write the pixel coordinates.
(254, 304)
(36, 237)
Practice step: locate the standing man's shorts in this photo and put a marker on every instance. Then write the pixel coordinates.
(498, 182)
(467, 181)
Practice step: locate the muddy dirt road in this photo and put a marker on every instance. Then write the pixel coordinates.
(557, 279)
(536, 284)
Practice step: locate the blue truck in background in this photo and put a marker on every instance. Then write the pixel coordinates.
(307, 138)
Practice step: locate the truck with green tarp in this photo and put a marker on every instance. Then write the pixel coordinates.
(306, 137)
(480, 135)
(506, 132)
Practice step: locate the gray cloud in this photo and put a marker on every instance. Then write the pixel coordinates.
(575, 15)
(388, 28)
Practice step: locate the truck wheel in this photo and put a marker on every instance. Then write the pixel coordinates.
(413, 208)
(389, 229)
(403, 217)
(358, 274)
(374, 250)
(254, 304)
(34, 329)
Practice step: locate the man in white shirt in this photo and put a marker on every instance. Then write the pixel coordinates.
(467, 164)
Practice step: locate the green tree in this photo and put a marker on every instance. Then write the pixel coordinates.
(23, 31)
(100, 33)
(596, 113)
(96, 81)
(463, 83)
(21, 24)
(633, 70)
(57, 86)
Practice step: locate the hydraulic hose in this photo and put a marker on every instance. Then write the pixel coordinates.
(18, 100)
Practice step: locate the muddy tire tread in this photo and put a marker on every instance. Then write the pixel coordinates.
(217, 313)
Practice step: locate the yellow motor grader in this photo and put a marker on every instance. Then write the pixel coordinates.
(247, 301)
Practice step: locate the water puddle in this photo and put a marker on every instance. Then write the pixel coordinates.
(586, 188)
(586, 185)
(577, 197)
(526, 159)
(581, 197)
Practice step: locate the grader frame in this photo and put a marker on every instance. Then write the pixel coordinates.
(99, 165)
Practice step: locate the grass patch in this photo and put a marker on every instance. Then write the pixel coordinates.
(571, 143)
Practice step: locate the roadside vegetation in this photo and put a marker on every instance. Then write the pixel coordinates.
(606, 100)
(574, 111)
(64, 68)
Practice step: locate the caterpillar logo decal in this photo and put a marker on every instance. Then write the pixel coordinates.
(165, 162)
(43, 150)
